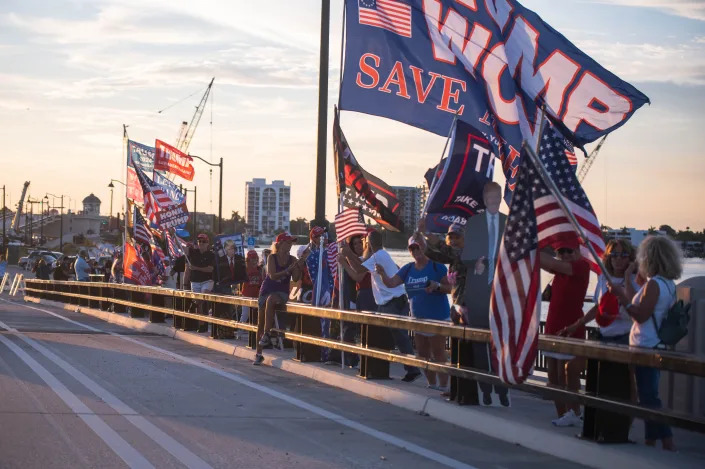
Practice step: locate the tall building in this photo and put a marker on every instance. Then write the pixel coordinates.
(268, 205)
(412, 200)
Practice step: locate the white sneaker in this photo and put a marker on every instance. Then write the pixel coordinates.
(569, 419)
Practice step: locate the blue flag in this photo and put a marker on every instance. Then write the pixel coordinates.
(460, 179)
(493, 62)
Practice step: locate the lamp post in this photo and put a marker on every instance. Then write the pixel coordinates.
(4, 214)
(220, 190)
(41, 224)
(31, 218)
(320, 203)
(185, 191)
(111, 186)
(61, 219)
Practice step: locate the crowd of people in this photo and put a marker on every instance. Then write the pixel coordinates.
(631, 299)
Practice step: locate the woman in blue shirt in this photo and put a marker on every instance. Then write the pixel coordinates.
(427, 287)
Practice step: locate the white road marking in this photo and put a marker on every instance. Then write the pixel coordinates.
(176, 449)
(386, 437)
(114, 441)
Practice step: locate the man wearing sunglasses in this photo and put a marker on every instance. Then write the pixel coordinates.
(201, 267)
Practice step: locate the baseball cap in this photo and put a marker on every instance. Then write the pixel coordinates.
(607, 309)
(565, 243)
(202, 236)
(281, 237)
(316, 231)
(456, 228)
(252, 253)
(414, 241)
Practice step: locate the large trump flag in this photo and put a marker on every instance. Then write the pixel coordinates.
(494, 63)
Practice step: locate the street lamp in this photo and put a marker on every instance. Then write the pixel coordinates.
(185, 191)
(112, 186)
(61, 218)
(220, 191)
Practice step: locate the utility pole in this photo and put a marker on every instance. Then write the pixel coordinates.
(4, 214)
(320, 203)
(220, 190)
(61, 218)
(186, 191)
(41, 224)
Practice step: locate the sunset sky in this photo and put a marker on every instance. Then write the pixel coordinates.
(72, 72)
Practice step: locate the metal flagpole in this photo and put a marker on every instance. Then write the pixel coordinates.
(451, 132)
(557, 194)
(124, 153)
(341, 298)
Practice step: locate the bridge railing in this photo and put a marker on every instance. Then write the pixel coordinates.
(375, 350)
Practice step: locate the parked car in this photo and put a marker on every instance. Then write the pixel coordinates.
(28, 261)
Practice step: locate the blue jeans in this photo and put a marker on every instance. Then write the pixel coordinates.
(400, 307)
(647, 380)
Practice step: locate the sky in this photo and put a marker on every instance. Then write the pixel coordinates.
(72, 72)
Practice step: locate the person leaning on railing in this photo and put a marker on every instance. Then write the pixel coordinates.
(282, 267)
(613, 321)
(572, 274)
(427, 286)
(659, 261)
(449, 253)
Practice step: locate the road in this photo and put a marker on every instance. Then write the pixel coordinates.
(78, 392)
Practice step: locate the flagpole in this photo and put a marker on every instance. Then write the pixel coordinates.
(341, 273)
(541, 124)
(124, 235)
(561, 201)
(435, 173)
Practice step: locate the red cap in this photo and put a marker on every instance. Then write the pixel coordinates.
(202, 236)
(570, 243)
(252, 253)
(281, 237)
(316, 231)
(607, 310)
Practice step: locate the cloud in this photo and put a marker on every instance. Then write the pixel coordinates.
(694, 9)
(682, 64)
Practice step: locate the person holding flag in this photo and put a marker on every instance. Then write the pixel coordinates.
(323, 281)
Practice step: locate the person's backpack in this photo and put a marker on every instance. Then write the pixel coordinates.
(674, 325)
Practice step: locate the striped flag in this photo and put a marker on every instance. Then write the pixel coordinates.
(156, 198)
(176, 246)
(348, 223)
(535, 221)
(332, 254)
(391, 15)
(140, 230)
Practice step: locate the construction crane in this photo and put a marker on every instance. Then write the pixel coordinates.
(187, 129)
(590, 160)
(15, 227)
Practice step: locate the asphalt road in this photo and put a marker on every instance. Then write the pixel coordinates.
(78, 392)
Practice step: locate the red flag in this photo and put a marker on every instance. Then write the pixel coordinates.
(173, 160)
(135, 269)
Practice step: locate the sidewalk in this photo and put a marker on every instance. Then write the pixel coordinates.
(526, 423)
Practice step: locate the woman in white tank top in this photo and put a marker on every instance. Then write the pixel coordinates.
(659, 261)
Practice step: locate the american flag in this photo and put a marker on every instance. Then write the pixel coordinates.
(141, 231)
(391, 15)
(156, 198)
(177, 246)
(348, 223)
(535, 221)
(332, 254)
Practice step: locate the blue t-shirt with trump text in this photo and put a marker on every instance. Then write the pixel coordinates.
(425, 305)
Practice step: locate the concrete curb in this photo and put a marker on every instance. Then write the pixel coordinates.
(505, 429)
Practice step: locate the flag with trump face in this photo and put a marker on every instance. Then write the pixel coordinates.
(535, 221)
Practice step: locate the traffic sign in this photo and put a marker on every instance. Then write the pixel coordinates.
(251, 242)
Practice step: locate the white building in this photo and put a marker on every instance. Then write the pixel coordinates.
(268, 206)
(632, 235)
(412, 200)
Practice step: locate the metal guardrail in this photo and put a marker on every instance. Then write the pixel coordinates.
(158, 302)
